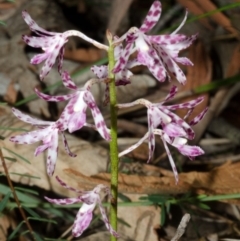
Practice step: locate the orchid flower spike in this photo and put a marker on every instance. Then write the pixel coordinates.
(47, 133)
(52, 44)
(89, 199)
(159, 52)
(74, 114)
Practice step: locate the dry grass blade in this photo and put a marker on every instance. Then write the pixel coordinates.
(182, 227)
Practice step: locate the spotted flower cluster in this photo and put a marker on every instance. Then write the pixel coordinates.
(159, 53)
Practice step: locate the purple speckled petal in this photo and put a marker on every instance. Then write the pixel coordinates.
(122, 61)
(183, 61)
(77, 121)
(53, 52)
(154, 63)
(60, 59)
(175, 172)
(38, 42)
(171, 94)
(83, 219)
(52, 153)
(67, 81)
(41, 149)
(190, 151)
(174, 130)
(167, 39)
(30, 137)
(53, 98)
(176, 119)
(64, 201)
(176, 46)
(105, 219)
(198, 117)
(181, 24)
(152, 17)
(131, 148)
(65, 143)
(151, 137)
(39, 58)
(98, 118)
(186, 105)
(63, 184)
(32, 24)
(29, 119)
(174, 69)
(100, 71)
(132, 63)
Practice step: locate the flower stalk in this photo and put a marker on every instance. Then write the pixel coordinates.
(113, 133)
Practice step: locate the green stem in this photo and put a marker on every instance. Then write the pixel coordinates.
(113, 143)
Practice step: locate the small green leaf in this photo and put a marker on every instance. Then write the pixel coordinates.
(120, 220)
(17, 155)
(12, 129)
(37, 237)
(27, 190)
(203, 206)
(4, 201)
(31, 212)
(42, 220)
(10, 159)
(163, 214)
(24, 175)
(12, 235)
(124, 198)
(21, 196)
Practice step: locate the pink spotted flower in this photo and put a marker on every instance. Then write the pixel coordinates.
(52, 43)
(159, 52)
(74, 114)
(174, 130)
(47, 133)
(84, 216)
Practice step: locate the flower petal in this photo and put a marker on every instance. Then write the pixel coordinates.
(190, 151)
(98, 118)
(67, 149)
(174, 130)
(105, 219)
(52, 153)
(29, 119)
(151, 137)
(100, 71)
(131, 148)
(64, 201)
(186, 105)
(182, 23)
(53, 52)
(167, 39)
(30, 137)
(67, 81)
(62, 183)
(152, 17)
(154, 64)
(172, 163)
(83, 219)
(198, 117)
(53, 98)
(41, 149)
(60, 59)
(122, 61)
(32, 24)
